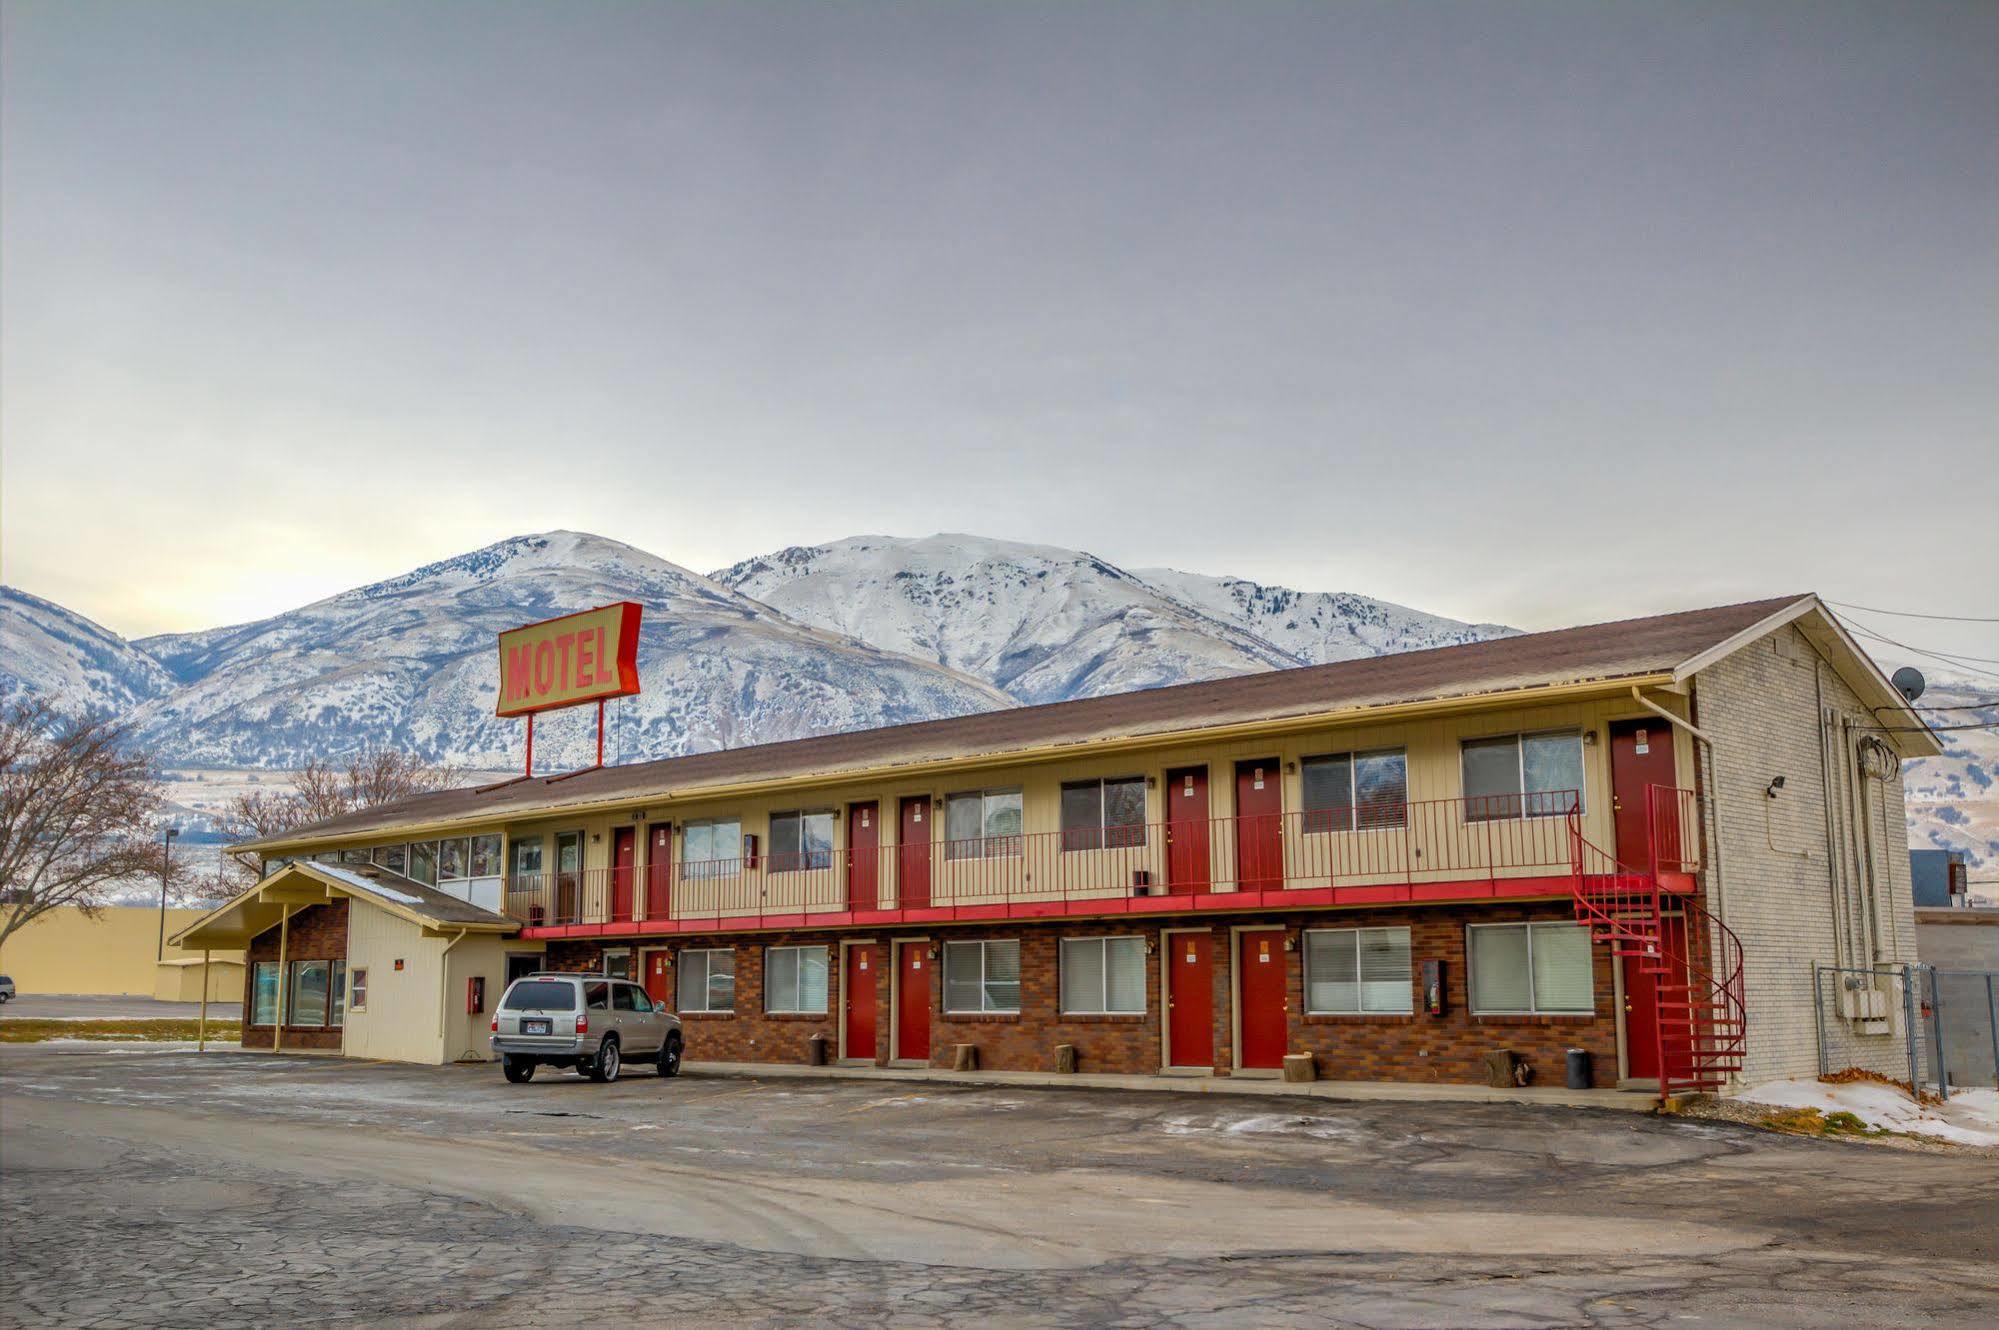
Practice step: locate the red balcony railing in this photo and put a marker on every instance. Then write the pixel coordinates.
(1385, 852)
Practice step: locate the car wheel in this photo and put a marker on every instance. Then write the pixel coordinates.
(669, 1056)
(605, 1069)
(518, 1070)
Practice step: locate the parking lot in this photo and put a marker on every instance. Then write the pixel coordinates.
(156, 1187)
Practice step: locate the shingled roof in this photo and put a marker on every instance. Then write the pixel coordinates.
(1628, 649)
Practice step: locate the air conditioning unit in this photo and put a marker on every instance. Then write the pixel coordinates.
(1141, 882)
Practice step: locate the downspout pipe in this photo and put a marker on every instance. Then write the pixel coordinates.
(444, 986)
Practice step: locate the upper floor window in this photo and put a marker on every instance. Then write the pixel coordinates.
(1523, 775)
(800, 840)
(527, 856)
(395, 858)
(1103, 814)
(1343, 791)
(423, 862)
(712, 847)
(982, 824)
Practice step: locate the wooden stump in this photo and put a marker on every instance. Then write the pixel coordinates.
(1300, 1067)
(1065, 1059)
(964, 1057)
(1499, 1068)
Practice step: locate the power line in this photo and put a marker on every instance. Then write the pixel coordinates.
(1933, 655)
(1911, 614)
(1969, 706)
(1932, 729)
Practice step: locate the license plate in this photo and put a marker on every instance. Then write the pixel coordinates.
(535, 1027)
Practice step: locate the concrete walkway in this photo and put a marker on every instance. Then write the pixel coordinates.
(1629, 1101)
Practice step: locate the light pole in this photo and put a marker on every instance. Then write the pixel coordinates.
(166, 867)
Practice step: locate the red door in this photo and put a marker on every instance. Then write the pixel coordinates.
(1259, 811)
(1190, 1000)
(1188, 866)
(1262, 1010)
(1641, 756)
(659, 870)
(857, 991)
(1642, 1033)
(912, 888)
(912, 1002)
(624, 865)
(864, 838)
(658, 982)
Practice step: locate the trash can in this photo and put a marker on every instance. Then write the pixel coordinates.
(815, 1050)
(1579, 1077)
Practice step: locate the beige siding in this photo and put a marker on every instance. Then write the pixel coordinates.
(400, 1022)
(1434, 775)
(483, 956)
(1791, 898)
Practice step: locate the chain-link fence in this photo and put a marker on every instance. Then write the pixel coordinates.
(1941, 1025)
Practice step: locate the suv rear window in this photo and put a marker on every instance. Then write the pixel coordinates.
(540, 995)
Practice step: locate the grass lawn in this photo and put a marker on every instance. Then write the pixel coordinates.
(32, 1031)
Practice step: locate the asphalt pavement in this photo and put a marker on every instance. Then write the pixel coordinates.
(157, 1187)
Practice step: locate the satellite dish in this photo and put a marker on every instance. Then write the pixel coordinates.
(1909, 682)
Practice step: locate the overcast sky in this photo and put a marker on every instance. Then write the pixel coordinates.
(1537, 313)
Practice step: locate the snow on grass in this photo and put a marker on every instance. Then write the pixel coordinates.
(1970, 1117)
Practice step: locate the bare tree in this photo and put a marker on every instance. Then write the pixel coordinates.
(323, 789)
(78, 811)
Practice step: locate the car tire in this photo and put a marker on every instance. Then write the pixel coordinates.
(604, 1068)
(669, 1056)
(518, 1070)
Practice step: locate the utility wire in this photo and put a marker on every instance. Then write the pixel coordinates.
(1933, 655)
(1931, 729)
(1911, 614)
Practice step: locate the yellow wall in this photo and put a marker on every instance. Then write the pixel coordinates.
(176, 982)
(63, 951)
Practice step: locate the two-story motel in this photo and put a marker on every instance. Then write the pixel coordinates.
(1632, 838)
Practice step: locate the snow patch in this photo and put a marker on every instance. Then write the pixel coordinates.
(1969, 1117)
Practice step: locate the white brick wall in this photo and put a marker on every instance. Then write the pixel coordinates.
(1776, 885)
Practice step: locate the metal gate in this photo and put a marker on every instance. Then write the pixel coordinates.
(1947, 1021)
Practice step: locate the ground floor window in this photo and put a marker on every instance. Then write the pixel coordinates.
(359, 1002)
(707, 981)
(1531, 969)
(1358, 971)
(264, 993)
(795, 979)
(1103, 976)
(982, 976)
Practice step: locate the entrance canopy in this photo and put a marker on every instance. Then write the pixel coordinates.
(232, 924)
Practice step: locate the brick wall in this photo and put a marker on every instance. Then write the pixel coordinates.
(1403, 1048)
(315, 933)
(1789, 896)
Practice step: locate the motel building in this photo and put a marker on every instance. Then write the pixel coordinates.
(1633, 838)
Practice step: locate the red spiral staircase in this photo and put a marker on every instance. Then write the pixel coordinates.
(1653, 918)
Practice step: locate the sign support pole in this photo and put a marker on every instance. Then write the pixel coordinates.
(600, 731)
(530, 766)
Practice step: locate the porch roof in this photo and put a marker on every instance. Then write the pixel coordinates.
(233, 923)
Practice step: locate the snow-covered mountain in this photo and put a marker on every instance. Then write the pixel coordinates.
(410, 662)
(47, 650)
(1042, 623)
(1316, 627)
(871, 630)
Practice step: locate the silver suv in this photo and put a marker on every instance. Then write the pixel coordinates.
(586, 1021)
